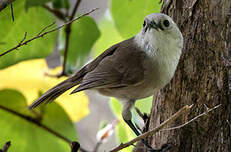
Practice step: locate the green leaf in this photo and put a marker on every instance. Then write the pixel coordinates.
(109, 36)
(123, 132)
(15, 100)
(61, 4)
(28, 137)
(30, 3)
(31, 22)
(129, 14)
(84, 34)
(144, 105)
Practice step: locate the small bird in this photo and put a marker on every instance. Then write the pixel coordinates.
(133, 69)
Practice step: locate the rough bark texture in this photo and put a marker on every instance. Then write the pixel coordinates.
(203, 77)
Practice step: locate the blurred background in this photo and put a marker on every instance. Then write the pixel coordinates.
(25, 73)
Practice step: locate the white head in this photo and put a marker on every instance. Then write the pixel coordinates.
(160, 31)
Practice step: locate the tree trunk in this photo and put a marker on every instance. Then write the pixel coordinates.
(203, 78)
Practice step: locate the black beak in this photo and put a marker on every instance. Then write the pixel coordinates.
(156, 26)
(153, 24)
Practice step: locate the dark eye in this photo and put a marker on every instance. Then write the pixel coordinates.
(144, 24)
(166, 23)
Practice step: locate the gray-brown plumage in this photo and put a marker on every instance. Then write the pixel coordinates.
(102, 74)
(132, 69)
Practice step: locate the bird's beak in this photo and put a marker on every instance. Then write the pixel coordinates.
(156, 26)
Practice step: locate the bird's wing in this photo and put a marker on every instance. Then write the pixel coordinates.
(111, 68)
(123, 67)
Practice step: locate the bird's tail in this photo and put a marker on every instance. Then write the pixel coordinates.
(55, 92)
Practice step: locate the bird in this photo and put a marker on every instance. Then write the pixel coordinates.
(133, 69)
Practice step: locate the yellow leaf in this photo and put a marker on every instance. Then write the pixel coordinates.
(29, 78)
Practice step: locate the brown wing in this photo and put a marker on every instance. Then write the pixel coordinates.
(118, 66)
(121, 68)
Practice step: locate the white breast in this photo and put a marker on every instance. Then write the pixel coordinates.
(164, 52)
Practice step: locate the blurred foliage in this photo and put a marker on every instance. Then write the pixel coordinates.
(81, 41)
(129, 14)
(109, 35)
(24, 81)
(32, 22)
(31, 3)
(123, 132)
(26, 136)
(29, 78)
(61, 4)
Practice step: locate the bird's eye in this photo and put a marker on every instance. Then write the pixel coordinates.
(166, 23)
(144, 24)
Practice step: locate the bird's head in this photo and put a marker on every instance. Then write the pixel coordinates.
(160, 29)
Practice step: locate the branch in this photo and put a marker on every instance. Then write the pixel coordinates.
(4, 3)
(193, 119)
(34, 121)
(68, 32)
(12, 11)
(151, 132)
(75, 9)
(6, 147)
(75, 146)
(45, 33)
(60, 15)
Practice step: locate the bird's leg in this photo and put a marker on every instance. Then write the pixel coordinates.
(127, 116)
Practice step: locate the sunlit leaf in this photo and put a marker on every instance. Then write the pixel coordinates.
(144, 105)
(29, 78)
(129, 14)
(28, 137)
(12, 33)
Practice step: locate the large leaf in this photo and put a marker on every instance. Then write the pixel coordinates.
(84, 34)
(12, 33)
(129, 14)
(61, 4)
(30, 3)
(109, 36)
(29, 78)
(28, 137)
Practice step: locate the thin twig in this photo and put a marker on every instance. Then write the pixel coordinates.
(17, 46)
(193, 119)
(67, 38)
(60, 15)
(6, 147)
(34, 121)
(149, 133)
(37, 122)
(45, 33)
(12, 11)
(46, 28)
(75, 9)
(23, 38)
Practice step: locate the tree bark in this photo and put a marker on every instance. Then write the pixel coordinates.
(203, 78)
